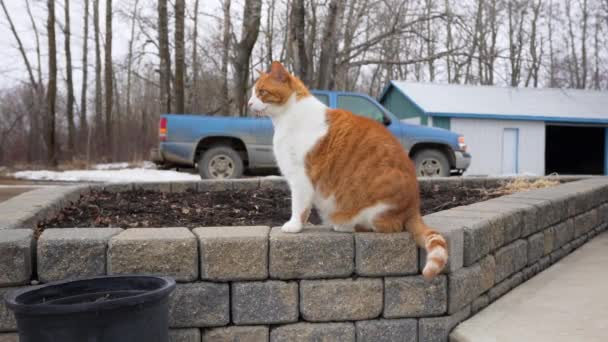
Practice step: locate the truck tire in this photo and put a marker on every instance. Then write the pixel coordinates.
(431, 163)
(220, 162)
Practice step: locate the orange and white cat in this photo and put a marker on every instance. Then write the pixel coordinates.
(352, 169)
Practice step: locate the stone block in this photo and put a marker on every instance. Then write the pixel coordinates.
(278, 183)
(115, 187)
(269, 302)
(233, 253)
(237, 334)
(17, 248)
(66, 253)
(464, 286)
(7, 318)
(210, 185)
(564, 232)
(414, 297)
(184, 335)
(245, 183)
(488, 272)
(314, 332)
(557, 255)
(387, 330)
(153, 186)
(536, 247)
(313, 253)
(602, 213)
(544, 262)
(10, 337)
(568, 247)
(578, 242)
(341, 299)
(583, 223)
(164, 251)
(510, 259)
(200, 305)
(185, 186)
(453, 233)
(378, 254)
(505, 286)
(480, 303)
(530, 271)
(549, 240)
(526, 210)
(437, 329)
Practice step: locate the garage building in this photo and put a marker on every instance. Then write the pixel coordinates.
(513, 130)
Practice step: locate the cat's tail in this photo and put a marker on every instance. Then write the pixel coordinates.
(434, 244)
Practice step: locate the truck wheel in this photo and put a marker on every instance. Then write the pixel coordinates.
(220, 162)
(431, 163)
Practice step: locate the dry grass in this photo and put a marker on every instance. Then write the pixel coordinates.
(522, 184)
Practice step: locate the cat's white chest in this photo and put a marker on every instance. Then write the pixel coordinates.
(296, 134)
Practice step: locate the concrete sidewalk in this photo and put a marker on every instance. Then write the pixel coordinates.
(568, 302)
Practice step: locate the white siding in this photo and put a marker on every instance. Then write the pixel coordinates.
(484, 139)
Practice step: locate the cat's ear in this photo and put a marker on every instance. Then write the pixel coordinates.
(278, 72)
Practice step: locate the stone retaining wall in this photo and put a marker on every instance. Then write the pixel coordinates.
(259, 284)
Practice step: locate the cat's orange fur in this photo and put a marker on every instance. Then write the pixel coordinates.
(358, 163)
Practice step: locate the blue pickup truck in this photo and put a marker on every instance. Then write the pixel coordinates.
(225, 147)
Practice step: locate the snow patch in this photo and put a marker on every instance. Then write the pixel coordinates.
(108, 175)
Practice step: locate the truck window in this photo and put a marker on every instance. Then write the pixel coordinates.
(323, 98)
(361, 106)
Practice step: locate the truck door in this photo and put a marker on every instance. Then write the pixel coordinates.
(363, 106)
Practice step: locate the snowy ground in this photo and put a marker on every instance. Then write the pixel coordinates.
(109, 173)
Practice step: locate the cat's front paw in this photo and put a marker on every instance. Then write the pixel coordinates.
(292, 227)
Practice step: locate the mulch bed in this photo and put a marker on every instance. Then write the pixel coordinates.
(268, 207)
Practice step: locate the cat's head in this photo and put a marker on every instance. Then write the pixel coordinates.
(275, 91)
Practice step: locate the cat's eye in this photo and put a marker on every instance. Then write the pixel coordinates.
(263, 92)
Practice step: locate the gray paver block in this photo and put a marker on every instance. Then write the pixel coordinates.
(237, 334)
(10, 337)
(153, 186)
(536, 247)
(66, 253)
(544, 262)
(214, 185)
(7, 318)
(530, 271)
(16, 256)
(557, 255)
(312, 253)
(414, 297)
(378, 254)
(480, 303)
(505, 286)
(583, 223)
(199, 304)
(549, 240)
(184, 335)
(162, 251)
(233, 253)
(453, 233)
(488, 272)
(314, 332)
(511, 259)
(245, 184)
(464, 286)
(274, 183)
(564, 232)
(437, 329)
(387, 330)
(269, 302)
(180, 187)
(341, 299)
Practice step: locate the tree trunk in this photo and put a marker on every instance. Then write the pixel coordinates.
(52, 85)
(98, 90)
(596, 53)
(249, 35)
(574, 74)
(297, 32)
(195, 64)
(85, 68)
(585, 14)
(108, 77)
(130, 57)
(165, 57)
(70, 82)
(178, 85)
(226, 29)
(327, 58)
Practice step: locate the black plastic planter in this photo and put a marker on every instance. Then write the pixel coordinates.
(101, 309)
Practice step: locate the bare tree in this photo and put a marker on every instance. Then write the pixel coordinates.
(165, 59)
(596, 52)
(516, 13)
(249, 35)
(535, 56)
(98, 80)
(134, 15)
(178, 85)
(328, 45)
(226, 34)
(585, 15)
(84, 128)
(573, 65)
(108, 77)
(69, 80)
(195, 62)
(297, 31)
(51, 95)
(26, 60)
